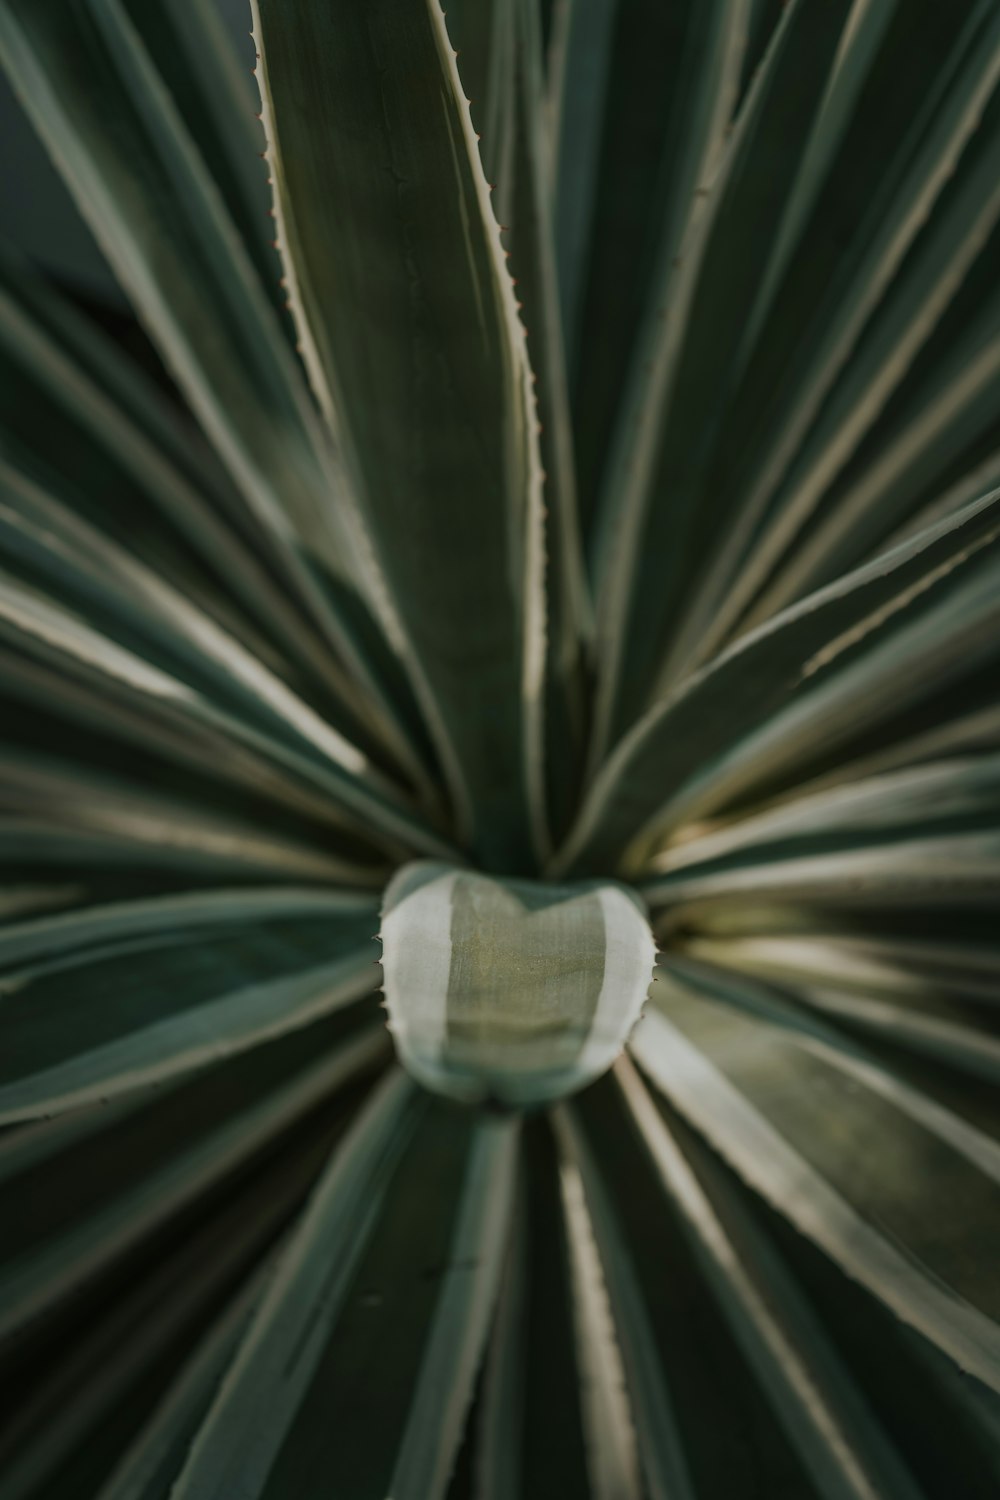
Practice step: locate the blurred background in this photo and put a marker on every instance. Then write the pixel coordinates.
(36, 213)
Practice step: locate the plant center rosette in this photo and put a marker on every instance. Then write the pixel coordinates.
(511, 992)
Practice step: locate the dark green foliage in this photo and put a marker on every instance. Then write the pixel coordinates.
(599, 480)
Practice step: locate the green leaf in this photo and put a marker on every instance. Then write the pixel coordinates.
(815, 441)
(921, 839)
(456, 1339)
(947, 422)
(482, 33)
(160, 1151)
(533, 263)
(920, 871)
(942, 1100)
(89, 658)
(953, 796)
(217, 100)
(610, 1436)
(764, 17)
(931, 1025)
(67, 1430)
(699, 294)
(686, 1357)
(661, 81)
(502, 66)
(657, 1433)
(884, 965)
(830, 316)
(391, 1275)
(95, 97)
(530, 1442)
(64, 818)
(839, 661)
(423, 374)
(52, 936)
(88, 427)
(514, 991)
(147, 1468)
(813, 1396)
(581, 90)
(93, 1022)
(860, 1172)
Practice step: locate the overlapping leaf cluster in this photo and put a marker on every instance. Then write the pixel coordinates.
(616, 496)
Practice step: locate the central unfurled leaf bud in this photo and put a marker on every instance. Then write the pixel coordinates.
(512, 992)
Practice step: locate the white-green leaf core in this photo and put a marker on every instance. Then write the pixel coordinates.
(511, 992)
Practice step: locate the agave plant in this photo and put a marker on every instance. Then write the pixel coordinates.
(562, 541)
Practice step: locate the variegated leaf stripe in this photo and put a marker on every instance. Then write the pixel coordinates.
(511, 990)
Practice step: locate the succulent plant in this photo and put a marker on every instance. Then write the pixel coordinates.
(563, 538)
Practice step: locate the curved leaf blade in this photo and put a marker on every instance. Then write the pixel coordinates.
(422, 372)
